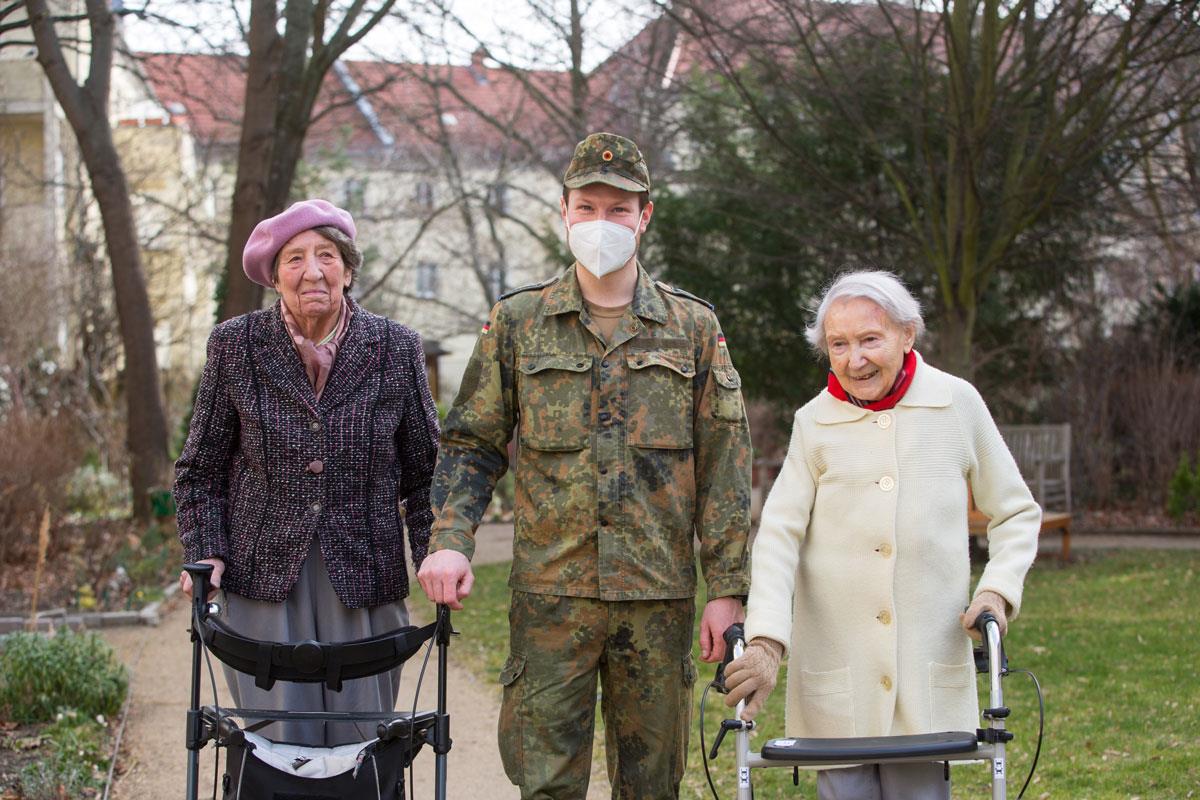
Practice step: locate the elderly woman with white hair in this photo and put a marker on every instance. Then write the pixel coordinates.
(860, 570)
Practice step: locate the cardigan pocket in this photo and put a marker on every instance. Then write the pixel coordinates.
(951, 695)
(827, 702)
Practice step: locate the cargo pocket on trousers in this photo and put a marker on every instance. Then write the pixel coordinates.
(512, 719)
(952, 699)
(685, 719)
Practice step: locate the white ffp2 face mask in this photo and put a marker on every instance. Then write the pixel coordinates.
(601, 246)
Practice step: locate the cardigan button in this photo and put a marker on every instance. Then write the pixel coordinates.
(884, 617)
(886, 683)
(316, 467)
(885, 421)
(887, 483)
(885, 549)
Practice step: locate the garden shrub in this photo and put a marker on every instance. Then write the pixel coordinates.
(1183, 492)
(43, 675)
(75, 764)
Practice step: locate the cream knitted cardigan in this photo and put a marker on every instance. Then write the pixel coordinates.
(860, 567)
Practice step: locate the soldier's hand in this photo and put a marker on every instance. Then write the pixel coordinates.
(446, 577)
(718, 615)
(752, 677)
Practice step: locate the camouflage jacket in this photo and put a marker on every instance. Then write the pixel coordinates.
(625, 452)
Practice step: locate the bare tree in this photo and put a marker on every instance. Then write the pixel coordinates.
(284, 75)
(1006, 105)
(86, 107)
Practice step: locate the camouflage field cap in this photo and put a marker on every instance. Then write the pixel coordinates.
(608, 158)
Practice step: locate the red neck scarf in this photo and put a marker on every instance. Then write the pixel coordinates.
(903, 380)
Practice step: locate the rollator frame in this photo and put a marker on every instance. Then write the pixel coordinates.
(209, 723)
(986, 744)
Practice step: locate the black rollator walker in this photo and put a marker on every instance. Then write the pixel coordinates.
(257, 768)
(986, 744)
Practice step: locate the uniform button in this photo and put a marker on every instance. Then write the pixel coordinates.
(885, 421)
(316, 467)
(316, 507)
(886, 682)
(604, 470)
(603, 523)
(314, 425)
(884, 617)
(887, 483)
(885, 550)
(605, 416)
(685, 370)
(640, 362)
(579, 364)
(604, 363)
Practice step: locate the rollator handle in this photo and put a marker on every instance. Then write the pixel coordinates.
(982, 620)
(733, 634)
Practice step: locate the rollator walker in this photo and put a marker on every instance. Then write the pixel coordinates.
(983, 744)
(258, 768)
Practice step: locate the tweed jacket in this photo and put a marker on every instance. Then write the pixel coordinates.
(267, 465)
(860, 566)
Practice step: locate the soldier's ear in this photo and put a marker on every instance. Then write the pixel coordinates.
(647, 212)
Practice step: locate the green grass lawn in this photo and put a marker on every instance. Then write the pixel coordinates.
(1109, 637)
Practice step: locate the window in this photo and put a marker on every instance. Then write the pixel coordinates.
(496, 279)
(424, 194)
(427, 280)
(354, 195)
(497, 197)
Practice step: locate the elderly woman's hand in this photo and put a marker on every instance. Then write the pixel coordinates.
(985, 601)
(753, 676)
(218, 565)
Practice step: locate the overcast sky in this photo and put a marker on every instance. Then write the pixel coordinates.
(509, 28)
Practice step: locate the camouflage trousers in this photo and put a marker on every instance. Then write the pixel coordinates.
(641, 652)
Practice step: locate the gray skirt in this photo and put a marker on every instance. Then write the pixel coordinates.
(313, 611)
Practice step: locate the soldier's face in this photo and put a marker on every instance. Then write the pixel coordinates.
(599, 201)
(866, 348)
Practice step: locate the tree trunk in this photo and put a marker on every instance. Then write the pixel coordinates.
(86, 109)
(954, 351)
(255, 150)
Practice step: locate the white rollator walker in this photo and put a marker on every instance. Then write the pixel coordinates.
(984, 744)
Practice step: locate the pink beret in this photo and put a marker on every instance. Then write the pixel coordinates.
(273, 233)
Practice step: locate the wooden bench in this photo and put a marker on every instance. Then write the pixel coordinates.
(977, 524)
(1043, 454)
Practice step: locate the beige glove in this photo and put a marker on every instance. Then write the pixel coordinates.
(985, 601)
(752, 677)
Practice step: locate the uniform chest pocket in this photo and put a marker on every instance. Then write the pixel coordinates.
(659, 404)
(555, 401)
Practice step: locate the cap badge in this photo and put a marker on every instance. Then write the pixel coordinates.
(607, 155)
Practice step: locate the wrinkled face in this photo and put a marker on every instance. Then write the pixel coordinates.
(601, 201)
(866, 348)
(311, 276)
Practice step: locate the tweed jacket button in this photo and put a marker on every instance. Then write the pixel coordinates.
(316, 467)
(885, 421)
(887, 483)
(316, 507)
(314, 425)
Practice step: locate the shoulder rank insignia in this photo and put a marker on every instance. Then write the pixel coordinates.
(675, 290)
(528, 287)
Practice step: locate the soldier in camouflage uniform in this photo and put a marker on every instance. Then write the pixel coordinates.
(632, 441)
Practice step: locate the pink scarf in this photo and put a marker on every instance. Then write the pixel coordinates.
(317, 358)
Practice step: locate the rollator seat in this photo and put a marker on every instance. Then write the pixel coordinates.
(865, 749)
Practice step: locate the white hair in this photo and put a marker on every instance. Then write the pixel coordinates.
(882, 288)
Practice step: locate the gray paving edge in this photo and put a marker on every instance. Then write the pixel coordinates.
(92, 620)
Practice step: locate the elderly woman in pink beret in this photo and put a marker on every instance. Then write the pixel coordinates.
(311, 450)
